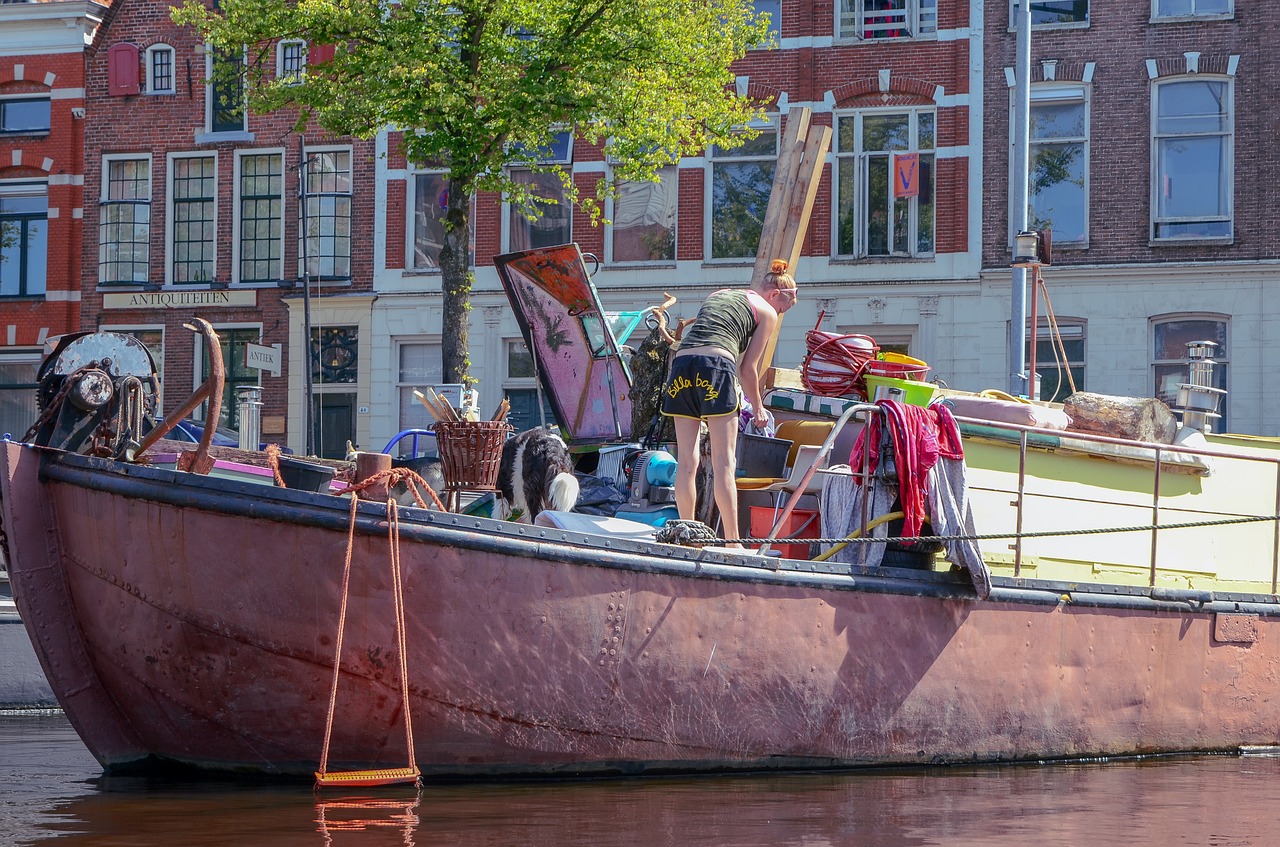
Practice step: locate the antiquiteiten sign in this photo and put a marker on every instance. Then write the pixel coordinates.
(178, 299)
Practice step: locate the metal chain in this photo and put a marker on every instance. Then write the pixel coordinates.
(997, 536)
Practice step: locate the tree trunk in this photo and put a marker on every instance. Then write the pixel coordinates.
(1140, 418)
(455, 282)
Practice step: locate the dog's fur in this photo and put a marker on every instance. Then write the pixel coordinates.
(536, 474)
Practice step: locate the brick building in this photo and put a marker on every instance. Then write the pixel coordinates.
(42, 110)
(900, 76)
(1150, 152)
(193, 208)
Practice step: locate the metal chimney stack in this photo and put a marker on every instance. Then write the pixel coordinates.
(1198, 399)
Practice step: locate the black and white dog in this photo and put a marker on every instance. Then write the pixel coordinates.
(536, 474)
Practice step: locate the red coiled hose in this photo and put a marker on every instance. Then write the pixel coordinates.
(836, 364)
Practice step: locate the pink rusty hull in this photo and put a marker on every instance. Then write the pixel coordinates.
(193, 620)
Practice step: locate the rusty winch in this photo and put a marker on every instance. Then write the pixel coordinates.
(97, 392)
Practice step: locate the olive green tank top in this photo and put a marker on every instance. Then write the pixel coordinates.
(726, 320)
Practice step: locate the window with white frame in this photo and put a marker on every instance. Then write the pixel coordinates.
(874, 19)
(1058, 353)
(1192, 159)
(24, 238)
(885, 183)
(291, 60)
(1193, 8)
(420, 365)
(25, 114)
(1058, 178)
(642, 220)
(741, 181)
(522, 389)
(225, 91)
(548, 220)
(124, 221)
(1050, 13)
(193, 186)
(160, 76)
(326, 246)
(18, 391)
(260, 199)
(1169, 359)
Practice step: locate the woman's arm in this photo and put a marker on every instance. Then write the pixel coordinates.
(749, 370)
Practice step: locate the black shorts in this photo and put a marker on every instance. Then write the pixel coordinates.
(701, 387)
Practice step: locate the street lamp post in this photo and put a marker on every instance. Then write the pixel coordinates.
(306, 299)
(1019, 182)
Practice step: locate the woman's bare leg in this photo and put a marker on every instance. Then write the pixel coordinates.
(723, 431)
(687, 430)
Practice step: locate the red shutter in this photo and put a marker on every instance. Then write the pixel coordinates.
(122, 69)
(320, 53)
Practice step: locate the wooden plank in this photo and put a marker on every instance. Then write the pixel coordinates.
(804, 194)
(790, 155)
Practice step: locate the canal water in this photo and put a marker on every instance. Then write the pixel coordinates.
(52, 792)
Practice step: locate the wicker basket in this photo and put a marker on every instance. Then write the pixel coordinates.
(471, 452)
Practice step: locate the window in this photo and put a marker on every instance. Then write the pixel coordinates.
(884, 194)
(160, 69)
(1057, 192)
(1192, 8)
(326, 242)
(1053, 12)
(420, 365)
(643, 220)
(1192, 159)
(291, 59)
(772, 8)
(522, 389)
(25, 115)
(870, 19)
(430, 196)
(334, 355)
(232, 341)
(192, 230)
(18, 385)
(260, 187)
(741, 180)
(1054, 385)
(1169, 357)
(24, 239)
(226, 91)
(552, 209)
(124, 227)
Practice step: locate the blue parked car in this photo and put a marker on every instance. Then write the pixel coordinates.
(191, 430)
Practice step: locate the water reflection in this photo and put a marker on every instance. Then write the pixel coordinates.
(52, 793)
(363, 814)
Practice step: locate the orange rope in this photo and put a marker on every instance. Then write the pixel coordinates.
(386, 775)
(337, 658)
(395, 476)
(273, 462)
(393, 524)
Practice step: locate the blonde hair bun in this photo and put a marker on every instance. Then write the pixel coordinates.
(778, 266)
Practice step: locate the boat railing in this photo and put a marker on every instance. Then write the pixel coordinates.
(1162, 457)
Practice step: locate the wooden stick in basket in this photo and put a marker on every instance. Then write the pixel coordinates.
(432, 405)
(445, 406)
(500, 414)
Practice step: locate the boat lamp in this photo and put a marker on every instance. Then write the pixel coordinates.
(1026, 249)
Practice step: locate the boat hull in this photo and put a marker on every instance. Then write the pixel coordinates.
(194, 621)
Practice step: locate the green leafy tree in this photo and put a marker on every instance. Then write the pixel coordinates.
(483, 85)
